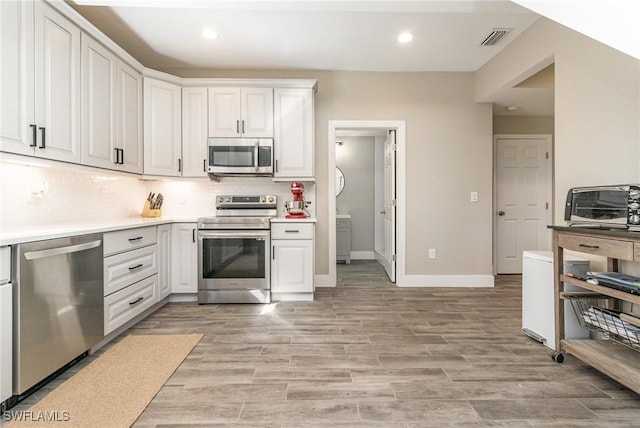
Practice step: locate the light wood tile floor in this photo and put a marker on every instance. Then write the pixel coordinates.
(368, 354)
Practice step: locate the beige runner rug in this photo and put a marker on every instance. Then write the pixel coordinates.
(113, 390)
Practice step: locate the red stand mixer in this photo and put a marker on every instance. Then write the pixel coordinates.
(296, 208)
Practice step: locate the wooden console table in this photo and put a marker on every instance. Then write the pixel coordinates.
(616, 360)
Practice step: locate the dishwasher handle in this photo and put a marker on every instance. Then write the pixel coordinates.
(34, 255)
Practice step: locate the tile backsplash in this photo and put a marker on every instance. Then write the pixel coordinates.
(36, 194)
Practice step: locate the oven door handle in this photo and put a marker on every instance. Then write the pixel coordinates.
(233, 234)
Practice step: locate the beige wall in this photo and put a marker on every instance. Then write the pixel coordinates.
(523, 125)
(597, 103)
(448, 149)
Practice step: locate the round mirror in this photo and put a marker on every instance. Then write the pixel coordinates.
(339, 181)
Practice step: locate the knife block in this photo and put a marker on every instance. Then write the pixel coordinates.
(148, 212)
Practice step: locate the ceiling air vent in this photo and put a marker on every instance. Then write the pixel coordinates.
(495, 36)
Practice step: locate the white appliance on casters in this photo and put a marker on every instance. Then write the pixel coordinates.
(538, 310)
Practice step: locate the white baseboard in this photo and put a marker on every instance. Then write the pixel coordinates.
(363, 255)
(446, 281)
(183, 297)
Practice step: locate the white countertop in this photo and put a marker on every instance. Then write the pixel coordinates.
(42, 232)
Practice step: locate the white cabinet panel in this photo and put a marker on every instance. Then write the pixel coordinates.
(194, 132)
(293, 133)
(57, 85)
(128, 239)
(129, 302)
(124, 269)
(184, 266)
(164, 261)
(241, 112)
(292, 266)
(17, 77)
(129, 115)
(98, 104)
(162, 128)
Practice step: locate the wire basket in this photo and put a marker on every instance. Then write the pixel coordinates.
(596, 315)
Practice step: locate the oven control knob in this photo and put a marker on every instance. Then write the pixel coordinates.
(263, 199)
(271, 199)
(634, 205)
(634, 219)
(221, 199)
(228, 198)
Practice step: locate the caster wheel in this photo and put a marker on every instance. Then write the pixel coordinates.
(557, 357)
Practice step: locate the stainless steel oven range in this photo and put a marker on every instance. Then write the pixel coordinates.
(234, 250)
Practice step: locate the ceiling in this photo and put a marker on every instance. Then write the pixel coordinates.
(352, 35)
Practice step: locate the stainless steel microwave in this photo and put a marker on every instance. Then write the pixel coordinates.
(240, 156)
(604, 206)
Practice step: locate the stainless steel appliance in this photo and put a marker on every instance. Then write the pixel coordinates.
(234, 250)
(57, 305)
(604, 206)
(240, 156)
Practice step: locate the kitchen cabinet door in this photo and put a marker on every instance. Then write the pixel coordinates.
(98, 105)
(224, 112)
(57, 85)
(292, 266)
(162, 128)
(164, 261)
(17, 77)
(129, 117)
(257, 112)
(293, 133)
(194, 132)
(184, 266)
(241, 112)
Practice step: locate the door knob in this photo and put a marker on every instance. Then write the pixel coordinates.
(500, 212)
(383, 212)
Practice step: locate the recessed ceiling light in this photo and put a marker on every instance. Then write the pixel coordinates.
(208, 33)
(512, 107)
(405, 37)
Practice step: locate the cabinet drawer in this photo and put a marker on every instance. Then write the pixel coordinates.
(293, 230)
(129, 302)
(128, 239)
(616, 249)
(124, 269)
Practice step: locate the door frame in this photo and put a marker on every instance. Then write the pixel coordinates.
(401, 190)
(550, 197)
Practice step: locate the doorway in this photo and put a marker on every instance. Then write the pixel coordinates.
(384, 210)
(523, 195)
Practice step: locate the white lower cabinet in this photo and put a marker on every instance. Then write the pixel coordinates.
(6, 325)
(292, 261)
(130, 274)
(164, 261)
(129, 302)
(184, 258)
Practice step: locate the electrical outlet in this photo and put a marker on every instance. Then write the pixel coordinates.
(432, 253)
(474, 196)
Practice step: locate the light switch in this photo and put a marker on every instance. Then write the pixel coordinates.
(474, 196)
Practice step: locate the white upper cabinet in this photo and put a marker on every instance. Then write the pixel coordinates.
(129, 118)
(40, 82)
(241, 112)
(98, 105)
(162, 128)
(194, 132)
(293, 133)
(17, 77)
(111, 110)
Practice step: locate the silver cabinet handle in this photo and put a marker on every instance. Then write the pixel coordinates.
(501, 213)
(255, 151)
(136, 301)
(383, 212)
(44, 135)
(291, 231)
(137, 238)
(237, 126)
(243, 126)
(34, 128)
(34, 255)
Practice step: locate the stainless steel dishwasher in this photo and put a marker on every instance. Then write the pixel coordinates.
(57, 305)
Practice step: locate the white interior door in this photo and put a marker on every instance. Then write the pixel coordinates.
(523, 196)
(389, 255)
